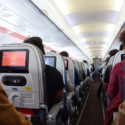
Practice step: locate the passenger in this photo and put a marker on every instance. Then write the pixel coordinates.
(54, 79)
(69, 84)
(88, 71)
(120, 118)
(108, 71)
(77, 80)
(101, 85)
(8, 114)
(114, 92)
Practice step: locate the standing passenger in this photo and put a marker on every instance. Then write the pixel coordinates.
(114, 92)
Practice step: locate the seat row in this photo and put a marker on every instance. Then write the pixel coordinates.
(25, 83)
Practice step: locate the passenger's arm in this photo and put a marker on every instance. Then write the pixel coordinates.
(59, 87)
(113, 84)
(59, 96)
(105, 86)
(120, 118)
(8, 114)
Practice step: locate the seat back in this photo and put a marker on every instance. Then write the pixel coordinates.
(86, 68)
(23, 78)
(70, 68)
(117, 57)
(76, 66)
(56, 60)
(110, 61)
(81, 71)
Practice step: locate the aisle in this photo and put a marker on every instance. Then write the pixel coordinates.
(92, 114)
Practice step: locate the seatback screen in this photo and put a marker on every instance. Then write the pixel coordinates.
(16, 58)
(14, 61)
(122, 57)
(66, 64)
(51, 61)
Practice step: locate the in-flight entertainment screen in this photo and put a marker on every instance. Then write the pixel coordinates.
(16, 58)
(51, 61)
(66, 64)
(16, 61)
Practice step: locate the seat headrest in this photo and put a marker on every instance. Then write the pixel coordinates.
(111, 61)
(23, 68)
(86, 67)
(117, 57)
(70, 68)
(76, 65)
(56, 60)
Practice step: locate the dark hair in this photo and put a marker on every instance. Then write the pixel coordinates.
(37, 41)
(85, 61)
(113, 52)
(53, 51)
(122, 37)
(64, 53)
(121, 47)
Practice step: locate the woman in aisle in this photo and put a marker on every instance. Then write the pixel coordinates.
(114, 92)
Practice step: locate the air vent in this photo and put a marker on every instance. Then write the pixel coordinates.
(5, 12)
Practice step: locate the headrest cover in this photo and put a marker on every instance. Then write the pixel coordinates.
(59, 64)
(70, 69)
(117, 57)
(111, 61)
(26, 77)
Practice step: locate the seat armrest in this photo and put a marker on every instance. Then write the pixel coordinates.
(69, 96)
(69, 104)
(114, 115)
(77, 94)
(54, 111)
(77, 87)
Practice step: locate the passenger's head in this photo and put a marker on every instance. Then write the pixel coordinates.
(121, 47)
(53, 51)
(113, 52)
(85, 61)
(64, 53)
(122, 38)
(37, 42)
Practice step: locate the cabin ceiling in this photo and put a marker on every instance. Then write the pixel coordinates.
(20, 19)
(93, 21)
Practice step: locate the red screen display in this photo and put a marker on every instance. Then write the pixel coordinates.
(66, 63)
(15, 58)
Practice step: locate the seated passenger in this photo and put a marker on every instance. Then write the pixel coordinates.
(54, 79)
(120, 118)
(69, 84)
(108, 71)
(103, 70)
(8, 114)
(114, 92)
(88, 72)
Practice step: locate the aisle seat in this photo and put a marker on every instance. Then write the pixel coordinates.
(24, 81)
(60, 66)
(78, 87)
